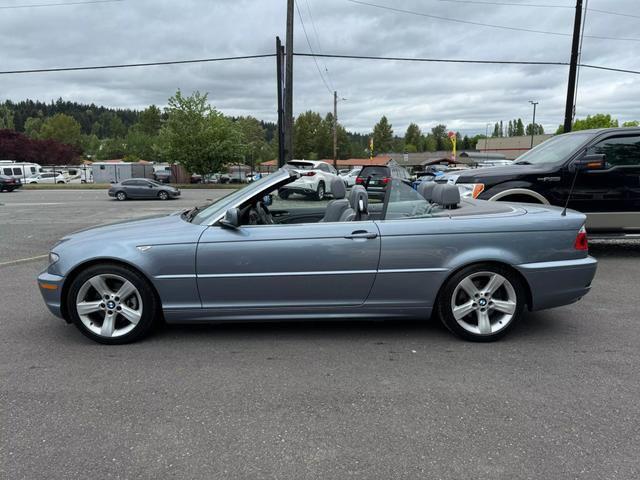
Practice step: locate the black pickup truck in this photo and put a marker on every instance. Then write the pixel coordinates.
(609, 193)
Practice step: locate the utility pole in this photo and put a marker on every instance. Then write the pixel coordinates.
(288, 86)
(335, 130)
(573, 68)
(279, 56)
(533, 124)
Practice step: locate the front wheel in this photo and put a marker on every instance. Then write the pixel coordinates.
(112, 304)
(121, 196)
(60, 183)
(481, 302)
(163, 195)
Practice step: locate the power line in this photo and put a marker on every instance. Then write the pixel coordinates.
(315, 30)
(320, 55)
(60, 4)
(480, 24)
(133, 65)
(536, 5)
(311, 48)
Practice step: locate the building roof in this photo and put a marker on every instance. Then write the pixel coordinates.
(348, 162)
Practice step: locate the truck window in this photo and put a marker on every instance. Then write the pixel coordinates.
(7, 171)
(619, 150)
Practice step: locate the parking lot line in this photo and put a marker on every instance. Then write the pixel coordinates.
(23, 260)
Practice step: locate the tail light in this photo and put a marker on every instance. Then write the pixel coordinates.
(581, 243)
(359, 180)
(308, 174)
(385, 180)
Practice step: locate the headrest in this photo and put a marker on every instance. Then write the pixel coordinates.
(446, 195)
(359, 199)
(338, 190)
(426, 190)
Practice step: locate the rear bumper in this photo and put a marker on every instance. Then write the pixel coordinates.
(50, 287)
(554, 284)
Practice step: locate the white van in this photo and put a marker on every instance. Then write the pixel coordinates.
(19, 170)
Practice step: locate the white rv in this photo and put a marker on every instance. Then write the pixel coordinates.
(19, 170)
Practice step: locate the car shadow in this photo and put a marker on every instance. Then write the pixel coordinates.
(614, 248)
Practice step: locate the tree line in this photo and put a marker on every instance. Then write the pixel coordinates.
(516, 128)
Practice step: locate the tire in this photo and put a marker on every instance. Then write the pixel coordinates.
(320, 191)
(121, 196)
(61, 183)
(89, 290)
(163, 195)
(283, 194)
(477, 317)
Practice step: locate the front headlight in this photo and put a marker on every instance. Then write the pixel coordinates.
(470, 190)
(53, 258)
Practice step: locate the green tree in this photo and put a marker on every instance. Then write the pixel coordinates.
(383, 136)
(519, 128)
(305, 137)
(430, 143)
(253, 137)
(32, 126)
(6, 118)
(90, 145)
(63, 128)
(150, 121)
(439, 134)
(111, 149)
(141, 145)
(413, 136)
(599, 120)
(510, 129)
(496, 130)
(198, 136)
(632, 123)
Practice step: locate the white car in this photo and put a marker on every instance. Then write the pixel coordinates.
(350, 177)
(315, 179)
(47, 178)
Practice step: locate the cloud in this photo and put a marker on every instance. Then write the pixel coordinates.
(462, 96)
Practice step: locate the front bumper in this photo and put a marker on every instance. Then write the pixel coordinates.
(554, 284)
(50, 287)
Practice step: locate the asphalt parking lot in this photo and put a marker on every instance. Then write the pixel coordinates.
(556, 399)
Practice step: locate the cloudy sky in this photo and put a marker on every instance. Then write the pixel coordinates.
(465, 97)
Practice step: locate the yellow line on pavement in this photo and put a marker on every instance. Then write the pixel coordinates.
(23, 260)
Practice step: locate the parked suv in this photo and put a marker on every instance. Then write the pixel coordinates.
(610, 196)
(315, 179)
(47, 178)
(375, 178)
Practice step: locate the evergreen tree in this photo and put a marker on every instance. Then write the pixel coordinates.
(519, 128)
(383, 136)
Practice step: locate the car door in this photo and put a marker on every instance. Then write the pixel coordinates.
(286, 266)
(611, 196)
(137, 188)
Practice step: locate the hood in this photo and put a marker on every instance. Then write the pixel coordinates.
(477, 175)
(165, 229)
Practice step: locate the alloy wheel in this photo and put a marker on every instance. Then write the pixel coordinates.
(163, 195)
(484, 303)
(109, 305)
(121, 196)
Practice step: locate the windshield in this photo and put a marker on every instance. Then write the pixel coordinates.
(554, 150)
(204, 215)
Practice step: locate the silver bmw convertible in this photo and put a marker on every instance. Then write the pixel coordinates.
(253, 255)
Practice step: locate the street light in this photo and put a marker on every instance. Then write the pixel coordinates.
(533, 125)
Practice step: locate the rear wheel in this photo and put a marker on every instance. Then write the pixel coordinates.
(320, 191)
(60, 183)
(112, 304)
(163, 195)
(121, 196)
(481, 302)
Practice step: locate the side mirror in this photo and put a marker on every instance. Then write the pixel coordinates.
(590, 162)
(231, 219)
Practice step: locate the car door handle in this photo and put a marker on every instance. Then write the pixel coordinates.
(361, 234)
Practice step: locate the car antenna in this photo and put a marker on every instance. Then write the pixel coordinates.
(573, 184)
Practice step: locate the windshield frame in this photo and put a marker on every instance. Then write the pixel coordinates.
(586, 138)
(216, 210)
